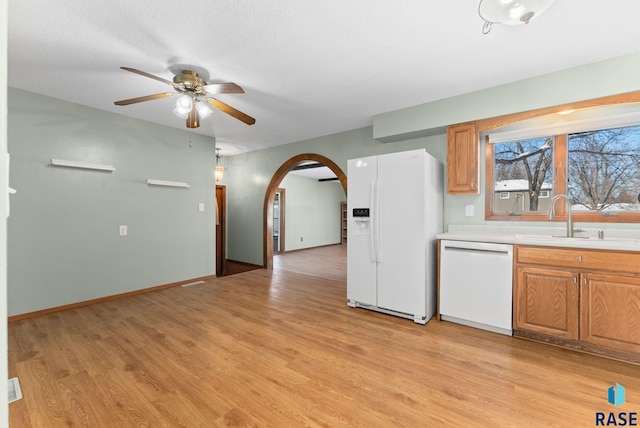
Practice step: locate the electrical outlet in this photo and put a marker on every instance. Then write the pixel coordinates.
(301, 239)
(201, 207)
(468, 210)
(122, 230)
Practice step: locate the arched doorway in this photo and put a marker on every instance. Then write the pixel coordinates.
(267, 241)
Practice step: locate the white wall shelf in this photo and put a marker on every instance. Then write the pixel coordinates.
(167, 183)
(82, 165)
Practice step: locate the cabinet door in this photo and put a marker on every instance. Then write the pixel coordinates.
(462, 159)
(610, 311)
(546, 301)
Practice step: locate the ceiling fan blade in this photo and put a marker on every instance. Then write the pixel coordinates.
(145, 74)
(145, 98)
(231, 111)
(223, 88)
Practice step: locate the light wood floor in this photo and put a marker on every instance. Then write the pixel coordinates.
(328, 262)
(276, 348)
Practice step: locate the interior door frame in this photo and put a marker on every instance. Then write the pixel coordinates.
(278, 176)
(221, 233)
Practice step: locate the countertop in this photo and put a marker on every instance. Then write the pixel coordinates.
(614, 239)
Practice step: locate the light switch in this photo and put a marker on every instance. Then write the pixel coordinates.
(201, 207)
(468, 210)
(122, 230)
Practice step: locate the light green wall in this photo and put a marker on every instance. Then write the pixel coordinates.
(63, 230)
(250, 173)
(614, 76)
(312, 211)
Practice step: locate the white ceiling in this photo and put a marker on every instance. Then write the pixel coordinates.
(319, 173)
(309, 68)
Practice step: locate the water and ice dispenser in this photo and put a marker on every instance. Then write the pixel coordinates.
(362, 220)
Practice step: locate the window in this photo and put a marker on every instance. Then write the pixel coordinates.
(525, 167)
(604, 170)
(598, 169)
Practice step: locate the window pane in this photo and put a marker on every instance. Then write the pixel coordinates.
(604, 169)
(523, 169)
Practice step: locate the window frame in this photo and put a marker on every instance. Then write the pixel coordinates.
(560, 160)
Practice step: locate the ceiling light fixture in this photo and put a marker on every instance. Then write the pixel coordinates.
(183, 106)
(203, 109)
(195, 97)
(510, 12)
(219, 168)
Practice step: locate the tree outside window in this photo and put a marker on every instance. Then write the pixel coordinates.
(602, 170)
(524, 167)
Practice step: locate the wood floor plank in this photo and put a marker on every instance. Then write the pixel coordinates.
(281, 348)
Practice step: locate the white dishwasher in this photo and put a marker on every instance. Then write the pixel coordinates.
(476, 284)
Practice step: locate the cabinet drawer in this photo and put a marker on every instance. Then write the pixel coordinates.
(584, 259)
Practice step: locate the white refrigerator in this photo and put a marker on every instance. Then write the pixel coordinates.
(394, 212)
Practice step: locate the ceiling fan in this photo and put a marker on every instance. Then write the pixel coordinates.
(195, 97)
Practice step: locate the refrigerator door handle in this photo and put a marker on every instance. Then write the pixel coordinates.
(378, 222)
(372, 234)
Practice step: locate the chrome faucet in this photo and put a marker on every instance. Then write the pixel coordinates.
(569, 219)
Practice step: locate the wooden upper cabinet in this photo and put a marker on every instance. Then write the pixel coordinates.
(463, 148)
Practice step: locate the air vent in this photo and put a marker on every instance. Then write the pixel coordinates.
(15, 393)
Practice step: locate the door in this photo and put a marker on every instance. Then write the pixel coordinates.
(361, 251)
(476, 282)
(610, 311)
(401, 228)
(546, 301)
(462, 159)
(221, 209)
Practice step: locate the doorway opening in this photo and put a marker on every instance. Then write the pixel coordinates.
(279, 209)
(272, 189)
(221, 227)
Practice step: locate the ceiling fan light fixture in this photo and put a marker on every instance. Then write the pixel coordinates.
(203, 109)
(183, 106)
(194, 101)
(510, 12)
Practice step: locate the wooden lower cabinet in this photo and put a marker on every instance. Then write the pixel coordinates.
(547, 301)
(583, 299)
(610, 311)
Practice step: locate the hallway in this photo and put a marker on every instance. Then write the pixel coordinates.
(329, 262)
